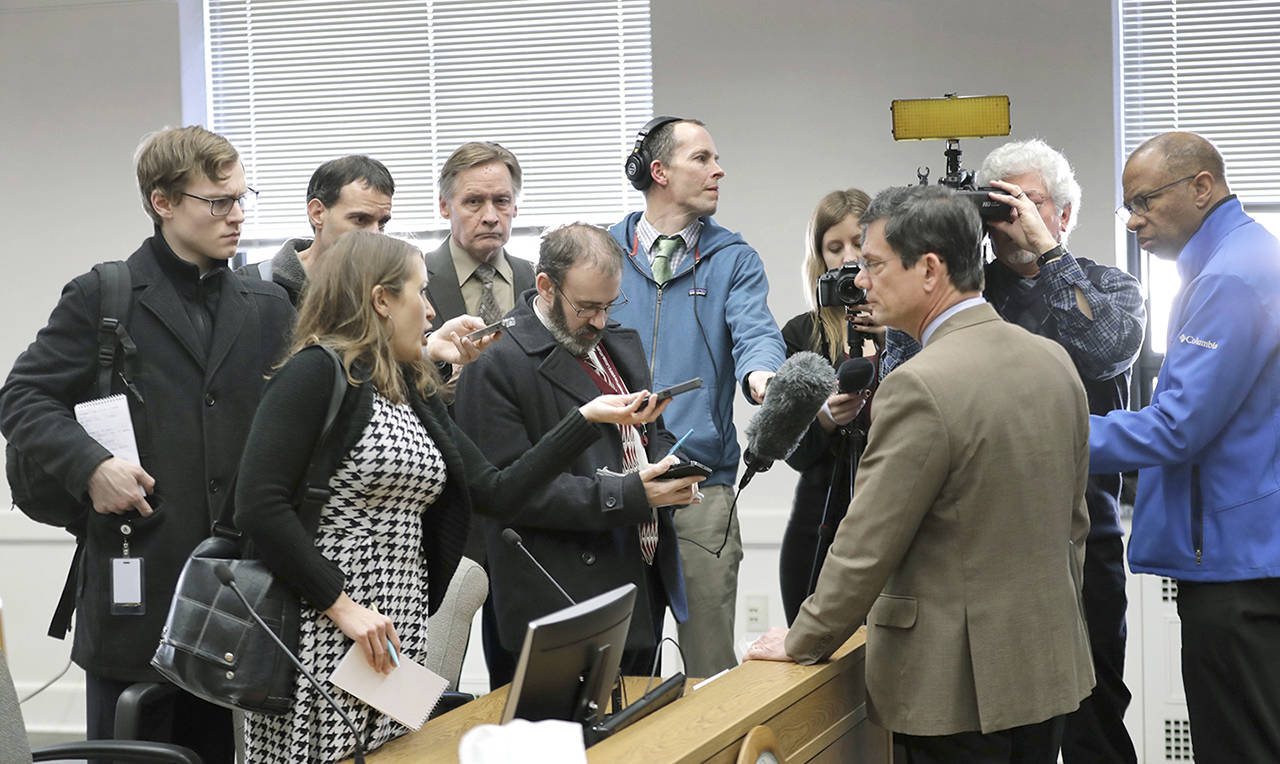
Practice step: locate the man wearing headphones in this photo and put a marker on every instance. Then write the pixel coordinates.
(697, 294)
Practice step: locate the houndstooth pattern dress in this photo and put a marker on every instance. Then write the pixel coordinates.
(372, 528)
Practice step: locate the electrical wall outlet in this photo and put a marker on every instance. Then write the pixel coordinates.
(757, 613)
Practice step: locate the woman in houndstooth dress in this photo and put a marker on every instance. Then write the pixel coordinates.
(376, 561)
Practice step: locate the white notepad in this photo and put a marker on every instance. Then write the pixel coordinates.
(107, 421)
(407, 694)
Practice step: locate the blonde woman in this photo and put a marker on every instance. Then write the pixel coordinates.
(827, 455)
(374, 565)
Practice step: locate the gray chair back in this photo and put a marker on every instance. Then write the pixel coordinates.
(450, 628)
(13, 731)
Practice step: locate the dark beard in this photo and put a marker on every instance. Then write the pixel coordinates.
(578, 344)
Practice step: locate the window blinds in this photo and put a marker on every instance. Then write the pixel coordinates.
(1210, 67)
(565, 85)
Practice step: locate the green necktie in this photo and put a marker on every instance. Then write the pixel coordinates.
(663, 248)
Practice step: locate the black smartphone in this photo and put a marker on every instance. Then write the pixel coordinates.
(496, 326)
(686, 469)
(674, 390)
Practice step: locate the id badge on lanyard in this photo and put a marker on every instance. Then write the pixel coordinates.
(126, 579)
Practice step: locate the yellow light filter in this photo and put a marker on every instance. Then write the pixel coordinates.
(918, 119)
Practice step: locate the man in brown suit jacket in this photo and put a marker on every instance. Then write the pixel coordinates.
(964, 542)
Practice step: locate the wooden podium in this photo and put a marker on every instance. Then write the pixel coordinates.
(818, 713)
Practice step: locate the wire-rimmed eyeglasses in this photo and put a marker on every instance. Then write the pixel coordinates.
(221, 207)
(1140, 204)
(591, 311)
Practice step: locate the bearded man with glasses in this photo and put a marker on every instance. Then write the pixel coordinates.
(608, 520)
(1208, 446)
(205, 340)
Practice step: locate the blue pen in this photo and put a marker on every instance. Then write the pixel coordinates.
(395, 659)
(679, 443)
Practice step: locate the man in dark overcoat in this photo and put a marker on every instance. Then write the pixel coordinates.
(205, 340)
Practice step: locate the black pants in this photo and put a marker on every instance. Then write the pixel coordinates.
(1029, 744)
(500, 662)
(183, 720)
(1095, 732)
(1231, 668)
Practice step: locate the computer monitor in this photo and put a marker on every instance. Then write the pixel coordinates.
(571, 657)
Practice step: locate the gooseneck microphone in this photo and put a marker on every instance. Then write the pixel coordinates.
(855, 375)
(794, 397)
(511, 537)
(228, 579)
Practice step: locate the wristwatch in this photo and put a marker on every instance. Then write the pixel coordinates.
(1052, 254)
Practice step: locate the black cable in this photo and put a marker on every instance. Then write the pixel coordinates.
(727, 526)
(657, 658)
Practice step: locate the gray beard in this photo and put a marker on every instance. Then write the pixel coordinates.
(1021, 257)
(579, 344)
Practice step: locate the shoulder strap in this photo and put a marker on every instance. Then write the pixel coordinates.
(314, 491)
(264, 269)
(114, 302)
(113, 315)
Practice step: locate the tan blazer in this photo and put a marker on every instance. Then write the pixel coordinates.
(964, 544)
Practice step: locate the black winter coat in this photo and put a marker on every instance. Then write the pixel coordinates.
(190, 429)
(582, 524)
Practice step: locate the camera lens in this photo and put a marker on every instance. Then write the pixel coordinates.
(849, 292)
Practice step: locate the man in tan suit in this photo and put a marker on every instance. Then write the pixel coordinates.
(964, 542)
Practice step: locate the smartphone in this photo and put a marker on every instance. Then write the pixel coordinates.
(496, 326)
(674, 390)
(686, 469)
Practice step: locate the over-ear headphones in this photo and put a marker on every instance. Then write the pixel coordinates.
(638, 161)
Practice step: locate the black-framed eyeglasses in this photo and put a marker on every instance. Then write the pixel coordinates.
(1140, 204)
(591, 311)
(221, 207)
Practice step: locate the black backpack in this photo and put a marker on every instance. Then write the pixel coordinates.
(38, 494)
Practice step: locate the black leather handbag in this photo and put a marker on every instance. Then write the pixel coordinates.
(210, 646)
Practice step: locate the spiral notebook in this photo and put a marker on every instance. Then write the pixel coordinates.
(107, 421)
(408, 694)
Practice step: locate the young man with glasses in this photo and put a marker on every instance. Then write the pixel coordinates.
(608, 520)
(1095, 312)
(205, 340)
(1208, 507)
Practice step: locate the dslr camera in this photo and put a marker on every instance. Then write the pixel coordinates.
(836, 288)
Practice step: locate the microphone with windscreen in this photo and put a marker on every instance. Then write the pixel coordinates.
(791, 401)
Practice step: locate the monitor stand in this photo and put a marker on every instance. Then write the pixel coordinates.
(597, 726)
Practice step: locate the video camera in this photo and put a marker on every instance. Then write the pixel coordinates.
(951, 118)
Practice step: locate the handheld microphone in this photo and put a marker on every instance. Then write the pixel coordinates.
(855, 375)
(228, 579)
(511, 537)
(792, 400)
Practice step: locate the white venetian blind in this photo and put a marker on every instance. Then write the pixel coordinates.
(565, 85)
(1210, 67)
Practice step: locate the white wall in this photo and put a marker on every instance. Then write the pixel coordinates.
(796, 95)
(82, 82)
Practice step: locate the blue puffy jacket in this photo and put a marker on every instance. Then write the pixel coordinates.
(711, 320)
(1208, 446)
